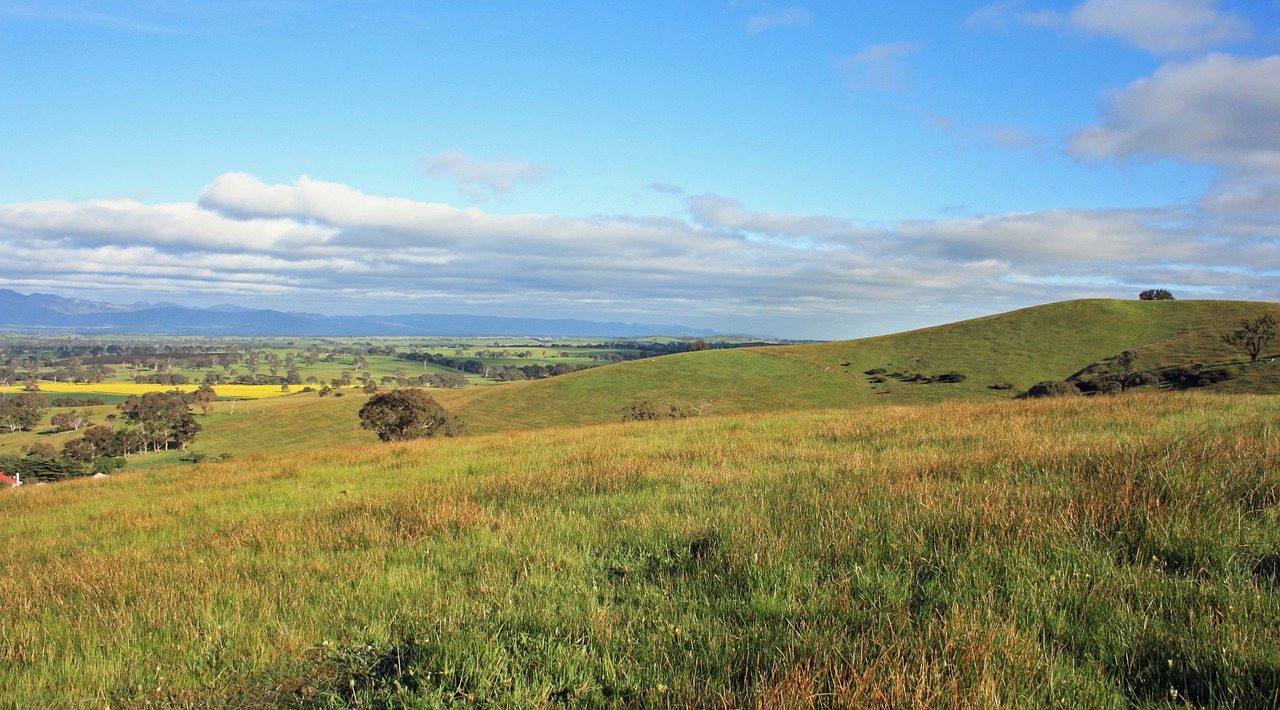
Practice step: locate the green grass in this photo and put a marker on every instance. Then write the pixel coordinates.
(1020, 348)
(1109, 552)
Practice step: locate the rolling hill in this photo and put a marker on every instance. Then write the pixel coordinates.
(1019, 348)
(1101, 552)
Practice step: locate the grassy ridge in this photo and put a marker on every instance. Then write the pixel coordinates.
(1098, 553)
(1020, 348)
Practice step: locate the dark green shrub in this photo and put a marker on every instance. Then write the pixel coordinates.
(1053, 388)
(1195, 375)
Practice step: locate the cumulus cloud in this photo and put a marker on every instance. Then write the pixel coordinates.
(1164, 27)
(318, 245)
(881, 66)
(1219, 110)
(786, 17)
(480, 179)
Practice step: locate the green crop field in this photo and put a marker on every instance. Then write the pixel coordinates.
(803, 535)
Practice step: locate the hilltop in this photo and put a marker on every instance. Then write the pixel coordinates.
(1019, 349)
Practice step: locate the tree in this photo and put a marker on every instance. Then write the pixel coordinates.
(1253, 335)
(69, 420)
(1126, 371)
(96, 442)
(22, 411)
(1155, 294)
(161, 418)
(403, 414)
(204, 397)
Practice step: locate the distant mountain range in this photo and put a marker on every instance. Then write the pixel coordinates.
(45, 312)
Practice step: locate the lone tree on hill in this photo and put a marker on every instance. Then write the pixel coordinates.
(403, 414)
(1155, 294)
(1253, 335)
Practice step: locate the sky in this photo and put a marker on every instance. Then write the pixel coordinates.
(819, 170)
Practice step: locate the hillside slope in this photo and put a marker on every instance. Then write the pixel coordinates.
(1102, 553)
(1020, 348)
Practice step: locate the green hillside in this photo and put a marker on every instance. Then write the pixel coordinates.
(1101, 552)
(1020, 348)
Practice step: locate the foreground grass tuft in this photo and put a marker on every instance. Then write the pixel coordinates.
(1088, 553)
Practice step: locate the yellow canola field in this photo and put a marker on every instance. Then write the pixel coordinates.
(128, 388)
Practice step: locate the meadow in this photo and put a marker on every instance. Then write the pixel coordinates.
(1092, 552)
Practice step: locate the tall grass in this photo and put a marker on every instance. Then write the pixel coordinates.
(1090, 553)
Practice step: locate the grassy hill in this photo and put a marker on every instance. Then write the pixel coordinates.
(1050, 342)
(1020, 348)
(1100, 552)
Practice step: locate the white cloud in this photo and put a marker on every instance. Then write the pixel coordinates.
(1163, 27)
(479, 179)
(722, 213)
(1220, 110)
(1247, 194)
(880, 66)
(316, 245)
(786, 17)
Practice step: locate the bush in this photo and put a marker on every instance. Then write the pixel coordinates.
(1194, 375)
(647, 411)
(950, 377)
(1155, 294)
(107, 464)
(875, 371)
(1053, 388)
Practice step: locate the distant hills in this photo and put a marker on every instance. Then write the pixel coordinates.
(45, 312)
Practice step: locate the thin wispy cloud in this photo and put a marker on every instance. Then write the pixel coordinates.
(481, 180)
(988, 136)
(1162, 27)
(79, 14)
(785, 17)
(881, 66)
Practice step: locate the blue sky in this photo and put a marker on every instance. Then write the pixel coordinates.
(810, 169)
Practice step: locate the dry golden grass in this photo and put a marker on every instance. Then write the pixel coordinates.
(1088, 553)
